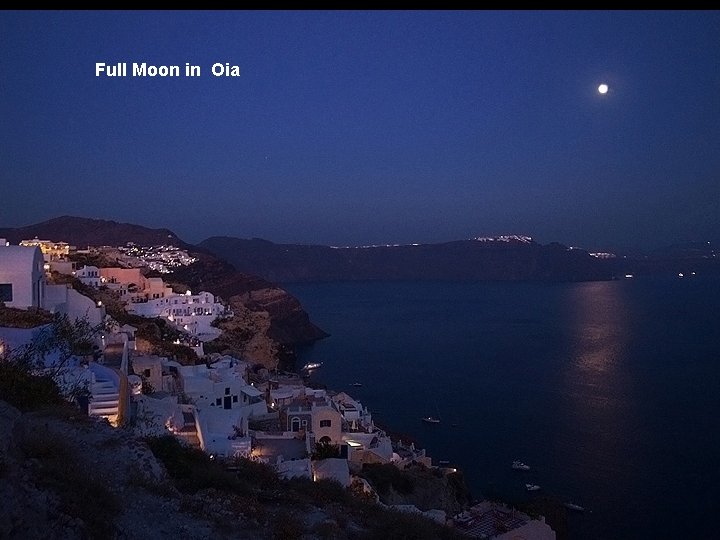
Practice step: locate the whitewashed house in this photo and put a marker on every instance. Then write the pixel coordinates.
(22, 276)
(89, 275)
(193, 313)
(355, 415)
(64, 299)
(224, 403)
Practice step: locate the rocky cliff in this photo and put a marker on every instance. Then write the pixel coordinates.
(288, 324)
(68, 477)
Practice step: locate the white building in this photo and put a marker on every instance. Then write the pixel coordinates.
(366, 443)
(155, 370)
(355, 415)
(22, 277)
(22, 285)
(17, 338)
(193, 313)
(89, 275)
(221, 385)
(64, 299)
(224, 403)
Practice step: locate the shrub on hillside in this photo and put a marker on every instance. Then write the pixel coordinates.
(23, 318)
(26, 391)
(191, 468)
(386, 476)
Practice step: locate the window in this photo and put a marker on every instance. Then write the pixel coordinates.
(295, 424)
(235, 399)
(304, 422)
(218, 401)
(146, 373)
(6, 292)
(325, 423)
(227, 391)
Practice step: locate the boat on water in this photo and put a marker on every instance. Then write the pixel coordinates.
(532, 487)
(572, 506)
(430, 420)
(312, 365)
(444, 462)
(356, 384)
(520, 466)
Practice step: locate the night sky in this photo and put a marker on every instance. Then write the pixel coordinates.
(366, 128)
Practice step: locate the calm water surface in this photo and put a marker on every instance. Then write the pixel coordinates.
(609, 390)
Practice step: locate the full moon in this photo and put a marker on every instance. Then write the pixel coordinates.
(603, 88)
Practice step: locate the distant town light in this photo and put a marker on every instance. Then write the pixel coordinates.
(188, 293)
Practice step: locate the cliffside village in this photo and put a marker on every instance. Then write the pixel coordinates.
(224, 406)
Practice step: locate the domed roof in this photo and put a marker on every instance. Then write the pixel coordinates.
(19, 258)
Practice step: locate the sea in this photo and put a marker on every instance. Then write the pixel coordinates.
(609, 391)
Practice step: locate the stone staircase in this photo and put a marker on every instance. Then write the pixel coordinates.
(104, 400)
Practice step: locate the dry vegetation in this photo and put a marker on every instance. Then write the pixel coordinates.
(282, 508)
(23, 318)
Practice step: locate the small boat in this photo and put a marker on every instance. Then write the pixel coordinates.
(532, 487)
(443, 462)
(356, 384)
(520, 466)
(572, 506)
(312, 365)
(430, 420)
